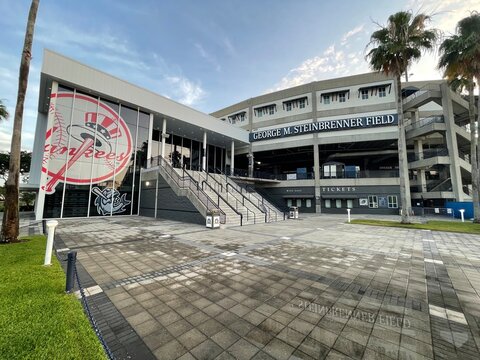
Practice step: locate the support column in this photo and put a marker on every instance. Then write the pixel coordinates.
(43, 175)
(451, 137)
(316, 156)
(204, 152)
(418, 148)
(251, 162)
(164, 137)
(232, 158)
(316, 170)
(149, 143)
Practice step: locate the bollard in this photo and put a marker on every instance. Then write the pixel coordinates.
(70, 283)
(461, 214)
(348, 213)
(51, 224)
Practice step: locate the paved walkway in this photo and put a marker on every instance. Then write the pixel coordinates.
(312, 288)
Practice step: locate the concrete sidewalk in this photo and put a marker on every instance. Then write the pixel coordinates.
(312, 288)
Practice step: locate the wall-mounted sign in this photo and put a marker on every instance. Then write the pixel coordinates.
(363, 202)
(338, 189)
(95, 131)
(326, 125)
(109, 201)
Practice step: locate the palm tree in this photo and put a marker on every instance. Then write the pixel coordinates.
(3, 111)
(395, 47)
(10, 224)
(458, 72)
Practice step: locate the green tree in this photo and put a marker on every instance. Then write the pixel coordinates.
(3, 111)
(460, 60)
(393, 48)
(10, 224)
(25, 160)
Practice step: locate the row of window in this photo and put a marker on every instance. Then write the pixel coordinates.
(298, 202)
(373, 202)
(300, 103)
(364, 94)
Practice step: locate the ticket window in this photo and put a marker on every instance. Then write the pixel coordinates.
(349, 203)
(338, 203)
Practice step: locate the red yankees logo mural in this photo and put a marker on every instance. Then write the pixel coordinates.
(96, 131)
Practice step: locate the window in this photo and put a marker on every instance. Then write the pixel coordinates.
(299, 202)
(392, 201)
(338, 203)
(349, 203)
(364, 94)
(288, 106)
(301, 103)
(326, 99)
(372, 201)
(382, 92)
(235, 118)
(308, 203)
(265, 110)
(341, 97)
(289, 202)
(328, 204)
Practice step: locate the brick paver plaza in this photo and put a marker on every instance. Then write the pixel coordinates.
(312, 288)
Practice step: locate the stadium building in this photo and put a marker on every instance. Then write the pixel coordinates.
(105, 147)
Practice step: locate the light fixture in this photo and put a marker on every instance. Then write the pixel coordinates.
(147, 183)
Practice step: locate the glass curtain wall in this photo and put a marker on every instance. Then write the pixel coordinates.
(93, 155)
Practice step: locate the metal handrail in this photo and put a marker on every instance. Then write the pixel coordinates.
(204, 182)
(261, 201)
(242, 195)
(191, 184)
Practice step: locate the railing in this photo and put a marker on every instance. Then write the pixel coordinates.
(363, 174)
(426, 121)
(261, 206)
(420, 91)
(428, 153)
(220, 185)
(187, 182)
(226, 202)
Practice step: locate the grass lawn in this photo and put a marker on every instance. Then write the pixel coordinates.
(37, 319)
(450, 226)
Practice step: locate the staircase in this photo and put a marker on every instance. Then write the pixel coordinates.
(208, 191)
(253, 207)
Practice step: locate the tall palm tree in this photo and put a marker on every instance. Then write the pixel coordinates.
(10, 224)
(3, 111)
(459, 73)
(394, 48)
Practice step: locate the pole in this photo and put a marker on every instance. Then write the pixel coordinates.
(348, 214)
(461, 214)
(70, 283)
(51, 224)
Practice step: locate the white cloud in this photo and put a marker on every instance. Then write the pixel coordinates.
(186, 92)
(333, 62)
(351, 33)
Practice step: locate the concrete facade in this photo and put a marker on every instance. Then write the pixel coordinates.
(436, 132)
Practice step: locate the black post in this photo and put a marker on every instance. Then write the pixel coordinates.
(44, 226)
(72, 258)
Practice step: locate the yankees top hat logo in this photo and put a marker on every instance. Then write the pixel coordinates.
(92, 146)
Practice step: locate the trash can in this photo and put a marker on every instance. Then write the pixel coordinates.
(213, 219)
(293, 212)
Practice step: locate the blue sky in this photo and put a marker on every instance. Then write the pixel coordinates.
(206, 54)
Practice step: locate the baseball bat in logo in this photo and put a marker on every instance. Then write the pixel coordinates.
(96, 131)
